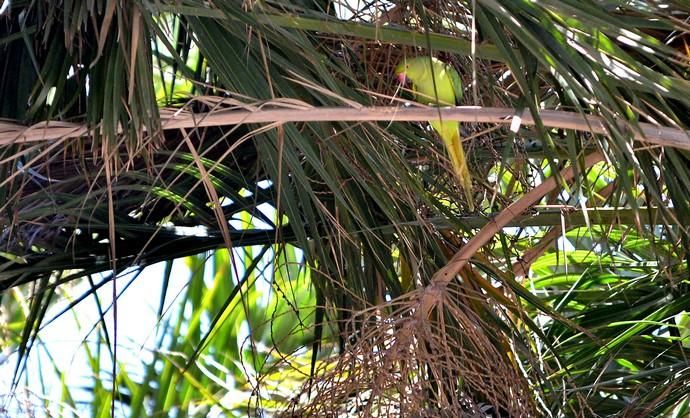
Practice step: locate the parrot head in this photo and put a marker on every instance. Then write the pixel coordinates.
(433, 81)
(414, 69)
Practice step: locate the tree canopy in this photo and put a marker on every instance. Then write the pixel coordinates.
(335, 265)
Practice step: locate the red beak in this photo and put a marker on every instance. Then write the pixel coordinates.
(402, 78)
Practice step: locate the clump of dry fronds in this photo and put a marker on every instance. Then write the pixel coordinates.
(405, 363)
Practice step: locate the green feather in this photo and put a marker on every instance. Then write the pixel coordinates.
(436, 83)
(423, 72)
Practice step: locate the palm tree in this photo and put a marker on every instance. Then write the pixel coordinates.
(269, 142)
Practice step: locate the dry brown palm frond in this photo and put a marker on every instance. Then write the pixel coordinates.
(404, 364)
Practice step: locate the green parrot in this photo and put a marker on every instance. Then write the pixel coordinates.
(448, 92)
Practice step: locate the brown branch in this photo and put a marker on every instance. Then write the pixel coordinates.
(434, 291)
(603, 216)
(643, 132)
